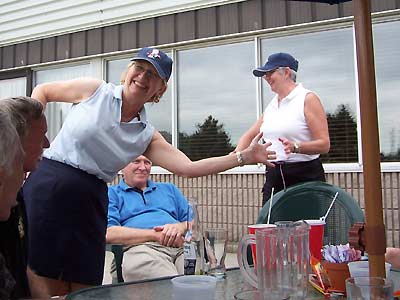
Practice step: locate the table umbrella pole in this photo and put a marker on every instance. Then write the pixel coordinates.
(375, 229)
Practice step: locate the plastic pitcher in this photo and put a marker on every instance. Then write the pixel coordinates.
(282, 260)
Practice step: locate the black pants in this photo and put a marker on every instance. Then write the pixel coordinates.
(287, 174)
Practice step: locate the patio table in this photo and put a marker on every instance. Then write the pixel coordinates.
(161, 289)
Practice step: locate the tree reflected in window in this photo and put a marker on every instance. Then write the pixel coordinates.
(209, 139)
(343, 134)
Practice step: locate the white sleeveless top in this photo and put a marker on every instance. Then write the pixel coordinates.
(94, 139)
(288, 121)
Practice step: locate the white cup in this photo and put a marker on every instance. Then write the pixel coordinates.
(194, 287)
(361, 268)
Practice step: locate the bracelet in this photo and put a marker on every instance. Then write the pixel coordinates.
(239, 158)
(296, 148)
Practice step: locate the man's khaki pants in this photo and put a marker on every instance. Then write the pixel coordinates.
(151, 260)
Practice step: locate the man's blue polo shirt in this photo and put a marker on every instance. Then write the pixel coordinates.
(158, 204)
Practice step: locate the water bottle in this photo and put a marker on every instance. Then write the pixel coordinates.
(193, 247)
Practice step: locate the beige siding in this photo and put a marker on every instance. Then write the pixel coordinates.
(28, 20)
(234, 200)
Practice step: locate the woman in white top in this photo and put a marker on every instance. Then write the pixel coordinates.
(294, 122)
(66, 197)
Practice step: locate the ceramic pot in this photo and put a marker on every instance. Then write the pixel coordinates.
(337, 274)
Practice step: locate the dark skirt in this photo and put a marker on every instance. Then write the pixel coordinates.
(67, 218)
(287, 174)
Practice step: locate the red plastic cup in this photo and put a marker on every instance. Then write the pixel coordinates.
(252, 230)
(316, 237)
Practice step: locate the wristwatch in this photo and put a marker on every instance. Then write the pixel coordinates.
(296, 148)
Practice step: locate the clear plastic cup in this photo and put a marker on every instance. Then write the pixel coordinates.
(194, 287)
(369, 288)
(361, 268)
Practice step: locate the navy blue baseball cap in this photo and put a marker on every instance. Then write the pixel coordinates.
(161, 61)
(275, 61)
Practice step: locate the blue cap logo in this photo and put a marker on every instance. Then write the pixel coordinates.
(154, 53)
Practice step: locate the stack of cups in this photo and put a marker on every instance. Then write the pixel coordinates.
(316, 237)
(252, 230)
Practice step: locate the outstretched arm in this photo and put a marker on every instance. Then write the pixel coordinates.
(163, 154)
(70, 91)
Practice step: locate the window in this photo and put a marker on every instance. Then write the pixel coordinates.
(57, 112)
(12, 87)
(216, 98)
(387, 65)
(159, 114)
(327, 67)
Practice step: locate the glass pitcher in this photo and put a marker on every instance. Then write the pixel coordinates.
(282, 260)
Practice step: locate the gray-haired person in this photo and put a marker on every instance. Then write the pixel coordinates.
(11, 178)
(27, 117)
(294, 122)
(11, 170)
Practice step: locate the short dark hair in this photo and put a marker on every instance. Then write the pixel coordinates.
(22, 112)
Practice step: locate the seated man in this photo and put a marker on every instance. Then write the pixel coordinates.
(149, 219)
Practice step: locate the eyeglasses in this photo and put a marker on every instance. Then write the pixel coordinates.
(269, 73)
(147, 73)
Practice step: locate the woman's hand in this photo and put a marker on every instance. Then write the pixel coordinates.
(288, 146)
(258, 153)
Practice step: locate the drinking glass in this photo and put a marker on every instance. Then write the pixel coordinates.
(215, 241)
(369, 288)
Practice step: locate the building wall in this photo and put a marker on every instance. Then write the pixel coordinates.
(234, 200)
(25, 20)
(233, 18)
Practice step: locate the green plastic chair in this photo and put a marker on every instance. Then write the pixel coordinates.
(118, 252)
(311, 200)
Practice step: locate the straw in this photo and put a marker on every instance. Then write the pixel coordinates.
(270, 204)
(329, 209)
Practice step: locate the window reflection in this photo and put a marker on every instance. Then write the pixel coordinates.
(387, 65)
(326, 66)
(57, 112)
(159, 114)
(216, 98)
